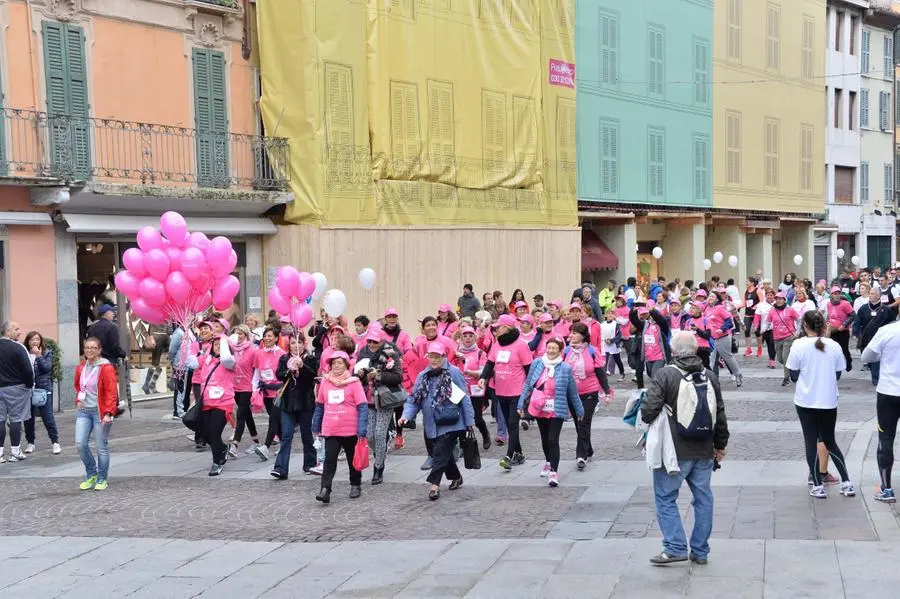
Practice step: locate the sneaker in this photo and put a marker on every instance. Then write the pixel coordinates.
(215, 470)
(500, 441)
(17, 457)
(504, 464)
(885, 496)
(525, 425)
(759, 352)
(232, 451)
(545, 470)
(29, 448)
(252, 449)
(3, 458)
(622, 378)
(518, 459)
(772, 364)
(748, 352)
(101, 485)
(316, 470)
(56, 450)
(580, 463)
(664, 558)
(262, 452)
(847, 489)
(426, 465)
(739, 380)
(829, 479)
(88, 484)
(399, 443)
(700, 561)
(818, 492)
(553, 479)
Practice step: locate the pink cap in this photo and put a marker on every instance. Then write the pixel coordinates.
(642, 310)
(675, 300)
(527, 318)
(505, 320)
(339, 354)
(466, 329)
(574, 306)
(285, 319)
(391, 312)
(651, 304)
(821, 282)
(520, 304)
(223, 323)
(445, 308)
(374, 334)
(835, 289)
(205, 323)
(545, 317)
(700, 293)
(781, 295)
(556, 303)
(436, 348)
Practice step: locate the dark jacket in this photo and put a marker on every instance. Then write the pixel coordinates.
(883, 316)
(468, 305)
(108, 333)
(663, 390)
(299, 393)
(43, 365)
(15, 366)
(639, 327)
(378, 362)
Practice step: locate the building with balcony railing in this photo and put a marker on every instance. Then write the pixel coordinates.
(110, 114)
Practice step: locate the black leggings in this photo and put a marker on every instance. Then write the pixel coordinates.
(888, 411)
(843, 339)
(212, 423)
(583, 447)
(703, 353)
(748, 326)
(818, 425)
(550, 429)
(244, 416)
(769, 338)
(616, 361)
(333, 446)
(274, 420)
(509, 405)
(478, 404)
(398, 414)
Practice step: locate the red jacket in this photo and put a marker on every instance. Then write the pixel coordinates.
(107, 389)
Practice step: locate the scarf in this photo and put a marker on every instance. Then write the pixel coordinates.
(238, 348)
(292, 360)
(436, 384)
(578, 349)
(465, 350)
(550, 365)
(340, 380)
(508, 337)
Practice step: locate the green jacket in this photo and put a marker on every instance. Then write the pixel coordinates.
(606, 299)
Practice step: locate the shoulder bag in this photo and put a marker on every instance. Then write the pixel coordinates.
(191, 418)
(390, 398)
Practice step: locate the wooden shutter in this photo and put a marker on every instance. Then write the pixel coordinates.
(701, 72)
(866, 46)
(609, 49)
(210, 117)
(701, 169)
(843, 185)
(609, 159)
(339, 123)
(441, 143)
(864, 183)
(566, 156)
(525, 138)
(493, 127)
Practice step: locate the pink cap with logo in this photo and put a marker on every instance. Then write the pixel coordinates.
(545, 317)
(391, 312)
(505, 320)
(466, 329)
(436, 348)
(445, 308)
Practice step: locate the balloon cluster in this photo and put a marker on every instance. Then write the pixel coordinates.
(292, 293)
(174, 274)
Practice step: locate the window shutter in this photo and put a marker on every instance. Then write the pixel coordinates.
(613, 51)
(210, 117)
(864, 108)
(888, 183)
(866, 39)
(888, 57)
(76, 76)
(864, 182)
(67, 102)
(883, 103)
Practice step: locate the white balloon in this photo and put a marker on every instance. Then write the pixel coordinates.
(657, 252)
(707, 264)
(798, 259)
(321, 284)
(855, 260)
(334, 302)
(367, 279)
(840, 253)
(717, 257)
(732, 261)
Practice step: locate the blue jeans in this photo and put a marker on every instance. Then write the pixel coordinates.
(665, 488)
(874, 372)
(290, 420)
(46, 414)
(85, 422)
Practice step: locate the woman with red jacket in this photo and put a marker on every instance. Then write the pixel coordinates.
(97, 401)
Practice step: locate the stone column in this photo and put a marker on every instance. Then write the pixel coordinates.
(731, 241)
(67, 313)
(684, 246)
(621, 239)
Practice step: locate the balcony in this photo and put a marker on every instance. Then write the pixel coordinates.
(40, 148)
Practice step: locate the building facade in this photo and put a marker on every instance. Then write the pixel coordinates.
(99, 135)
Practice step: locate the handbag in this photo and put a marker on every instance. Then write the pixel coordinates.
(39, 397)
(279, 402)
(388, 398)
(361, 455)
(471, 457)
(191, 418)
(445, 412)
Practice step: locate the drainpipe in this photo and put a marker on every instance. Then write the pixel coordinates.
(34, 67)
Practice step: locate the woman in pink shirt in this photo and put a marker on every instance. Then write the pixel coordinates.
(446, 319)
(785, 323)
(545, 325)
(265, 365)
(839, 314)
(473, 361)
(507, 363)
(244, 352)
(341, 418)
(394, 333)
(696, 322)
(589, 369)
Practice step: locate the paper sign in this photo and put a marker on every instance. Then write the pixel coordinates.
(254, 302)
(562, 74)
(456, 394)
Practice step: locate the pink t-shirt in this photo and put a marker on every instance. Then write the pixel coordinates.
(624, 322)
(784, 322)
(217, 385)
(838, 314)
(702, 325)
(266, 364)
(473, 361)
(243, 369)
(653, 349)
(340, 413)
(675, 321)
(583, 368)
(421, 346)
(716, 317)
(543, 397)
(448, 328)
(509, 367)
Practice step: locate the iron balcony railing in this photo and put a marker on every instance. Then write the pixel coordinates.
(72, 149)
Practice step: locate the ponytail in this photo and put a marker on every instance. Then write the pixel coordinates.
(820, 345)
(815, 323)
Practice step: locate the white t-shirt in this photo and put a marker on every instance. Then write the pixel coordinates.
(803, 307)
(762, 309)
(885, 346)
(817, 385)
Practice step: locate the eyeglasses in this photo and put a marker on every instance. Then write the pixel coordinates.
(91, 347)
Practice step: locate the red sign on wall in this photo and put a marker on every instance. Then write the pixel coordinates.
(562, 73)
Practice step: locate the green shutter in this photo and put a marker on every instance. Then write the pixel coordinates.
(67, 101)
(211, 118)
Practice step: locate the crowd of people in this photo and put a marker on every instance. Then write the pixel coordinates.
(537, 363)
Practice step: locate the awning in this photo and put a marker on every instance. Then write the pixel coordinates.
(594, 253)
(117, 224)
(25, 218)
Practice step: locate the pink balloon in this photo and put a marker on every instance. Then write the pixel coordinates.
(232, 261)
(133, 259)
(278, 302)
(153, 292)
(301, 315)
(128, 283)
(225, 290)
(146, 312)
(288, 281)
(204, 283)
(199, 240)
(217, 255)
(157, 264)
(174, 255)
(203, 302)
(178, 287)
(307, 286)
(173, 227)
(180, 243)
(193, 263)
(149, 238)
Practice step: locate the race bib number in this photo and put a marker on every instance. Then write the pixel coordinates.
(81, 397)
(649, 339)
(846, 290)
(884, 299)
(503, 357)
(548, 406)
(476, 391)
(749, 303)
(336, 396)
(267, 375)
(215, 392)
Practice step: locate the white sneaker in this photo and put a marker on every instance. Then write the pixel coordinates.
(262, 452)
(545, 470)
(818, 492)
(232, 451)
(554, 479)
(252, 449)
(317, 469)
(29, 448)
(56, 449)
(17, 457)
(580, 463)
(3, 458)
(847, 489)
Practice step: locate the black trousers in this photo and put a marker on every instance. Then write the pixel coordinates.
(583, 447)
(509, 406)
(818, 425)
(333, 446)
(769, 338)
(244, 416)
(613, 360)
(442, 461)
(550, 429)
(182, 392)
(843, 339)
(888, 411)
(398, 414)
(478, 404)
(703, 353)
(274, 421)
(212, 423)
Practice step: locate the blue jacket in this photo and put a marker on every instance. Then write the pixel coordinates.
(432, 429)
(42, 367)
(566, 391)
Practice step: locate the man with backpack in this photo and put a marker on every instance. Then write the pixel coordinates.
(690, 397)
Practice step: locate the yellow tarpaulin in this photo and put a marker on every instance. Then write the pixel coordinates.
(423, 112)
